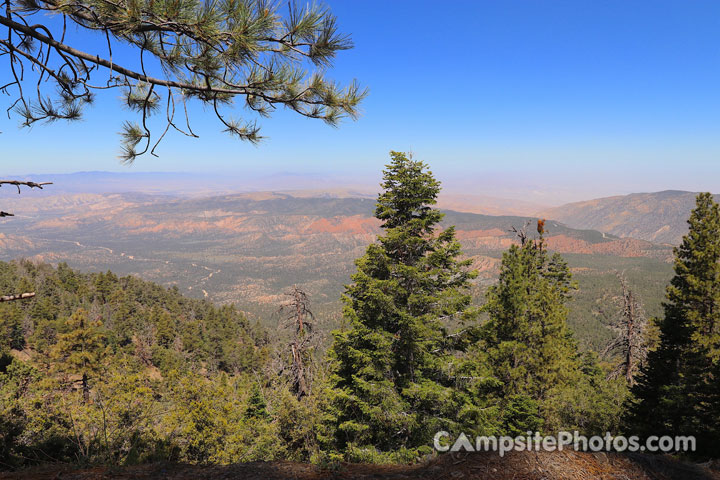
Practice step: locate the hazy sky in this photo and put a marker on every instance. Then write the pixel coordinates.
(582, 98)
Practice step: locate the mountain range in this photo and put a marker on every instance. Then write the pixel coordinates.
(655, 217)
(250, 248)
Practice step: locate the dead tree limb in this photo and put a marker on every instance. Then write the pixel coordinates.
(298, 318)
(299, 307)
(521, 233)
(20, 296)
(631, 341)
(18, 184)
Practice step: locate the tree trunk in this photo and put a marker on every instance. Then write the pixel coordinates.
(299, 369)
(85, 389)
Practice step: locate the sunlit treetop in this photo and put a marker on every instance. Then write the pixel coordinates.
(261, 53)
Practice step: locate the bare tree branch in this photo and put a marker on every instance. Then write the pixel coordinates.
(630, 342)
(522, 232)
(299, 308)
(20, 296)
(18, 184)
(27, 184)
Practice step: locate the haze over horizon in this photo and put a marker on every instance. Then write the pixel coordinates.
(529, 193)
(551, 103)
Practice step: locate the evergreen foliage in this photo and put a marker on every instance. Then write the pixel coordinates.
(98, 368)
(120, 370)
(529, 347)
(677, 393)
(393, 366)
(80, 351)
(214, 52)
(535, 378)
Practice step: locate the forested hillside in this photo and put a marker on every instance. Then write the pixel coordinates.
(498, 304)
(133, 316)
(250, 248)
(97, 366)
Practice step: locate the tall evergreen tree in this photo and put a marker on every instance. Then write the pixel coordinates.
(11, 331)
(392, 367)
(528, 345)
(677, 391)
(81, 350)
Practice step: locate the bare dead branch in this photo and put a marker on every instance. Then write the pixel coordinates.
(522, 232)
(18, 184)
(299, 308)
(630, 342)
(20, 296)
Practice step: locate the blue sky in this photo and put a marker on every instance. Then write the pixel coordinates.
(576, 97)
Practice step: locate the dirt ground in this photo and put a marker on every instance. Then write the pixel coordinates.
(514, 466)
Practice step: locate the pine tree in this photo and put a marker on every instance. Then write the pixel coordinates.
(104, 283)
(392, 366)
(11, 330)
(164, 325)
(257, 406)
(81, 350)
(528, 345)
(677, 391)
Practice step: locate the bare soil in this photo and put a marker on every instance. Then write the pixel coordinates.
(568, 465)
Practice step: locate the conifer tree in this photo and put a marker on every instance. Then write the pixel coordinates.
(677, 391)
(257, 406)
(528, 345)
(81, 350)
(392, 366)
(11, 331)
(103, 285)
(164, 325)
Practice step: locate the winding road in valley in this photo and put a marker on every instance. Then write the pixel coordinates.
(134, 258)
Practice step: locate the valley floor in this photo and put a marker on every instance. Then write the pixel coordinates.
(515, 465)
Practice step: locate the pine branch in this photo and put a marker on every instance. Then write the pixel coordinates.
(210, 52)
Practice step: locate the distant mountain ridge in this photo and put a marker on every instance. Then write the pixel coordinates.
(203, 185)
(659, 217)
(250, 248)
